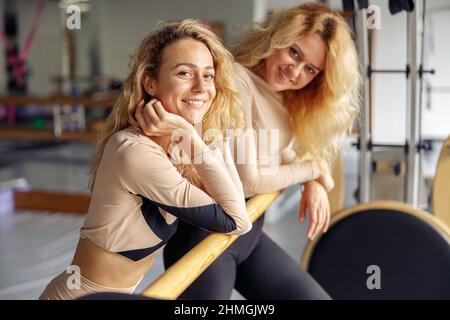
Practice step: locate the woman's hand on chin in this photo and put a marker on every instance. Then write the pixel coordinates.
(155, 121)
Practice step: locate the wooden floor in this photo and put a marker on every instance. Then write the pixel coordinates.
(33, 248)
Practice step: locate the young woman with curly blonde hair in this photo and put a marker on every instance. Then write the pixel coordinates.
(139, 187)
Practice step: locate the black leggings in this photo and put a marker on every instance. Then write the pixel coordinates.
(254, 264)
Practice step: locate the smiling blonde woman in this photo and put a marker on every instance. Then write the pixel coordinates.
(138, 191)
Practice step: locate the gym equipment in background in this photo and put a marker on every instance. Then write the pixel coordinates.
(441, 185)
(402, 250)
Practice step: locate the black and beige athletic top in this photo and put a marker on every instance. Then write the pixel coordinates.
(139, 194)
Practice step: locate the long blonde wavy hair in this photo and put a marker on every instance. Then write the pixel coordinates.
(324, 110)
(224, 112)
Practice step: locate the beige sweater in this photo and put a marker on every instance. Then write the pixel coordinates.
(139, 194)
(270, 162)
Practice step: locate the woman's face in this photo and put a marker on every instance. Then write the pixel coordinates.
(185, 84)
(294, 67)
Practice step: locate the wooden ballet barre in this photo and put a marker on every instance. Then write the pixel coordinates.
(87, 102)
(183, 273)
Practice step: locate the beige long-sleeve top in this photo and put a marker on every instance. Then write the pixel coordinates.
(139, 194)
(264, 156)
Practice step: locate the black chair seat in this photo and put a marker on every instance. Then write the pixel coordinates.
(413, 257)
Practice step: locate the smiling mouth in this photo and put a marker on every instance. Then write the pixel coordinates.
(284, 76)
(194, 103)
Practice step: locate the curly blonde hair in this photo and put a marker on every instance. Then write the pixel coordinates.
(324, 110)
(224, 112)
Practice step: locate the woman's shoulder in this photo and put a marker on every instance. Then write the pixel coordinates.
(242, 74)
(239, 68)
(250, 81)
(133, 140)
(244, 84)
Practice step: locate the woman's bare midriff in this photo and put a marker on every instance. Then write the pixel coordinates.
(107, 268)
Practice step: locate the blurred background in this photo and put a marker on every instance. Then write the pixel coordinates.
(61, 70)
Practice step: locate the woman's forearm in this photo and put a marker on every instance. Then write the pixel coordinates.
(218, 181)
(255, 180)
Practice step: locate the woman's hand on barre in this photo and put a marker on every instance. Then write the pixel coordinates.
(315, 199)
(155, 121)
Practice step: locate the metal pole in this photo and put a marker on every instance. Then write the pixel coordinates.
(413, 112)
(364, 121)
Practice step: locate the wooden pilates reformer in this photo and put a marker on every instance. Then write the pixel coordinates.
(57, 102)
(50, 200)
(53, 201)
(106, 101)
